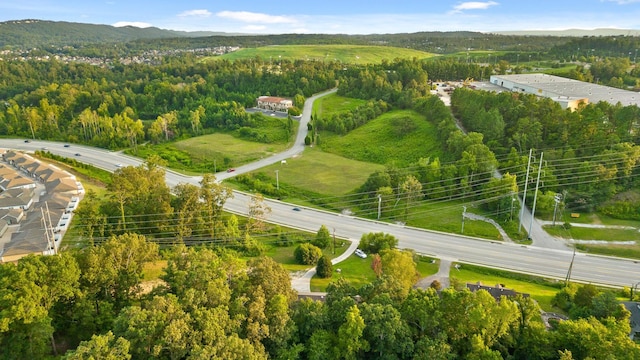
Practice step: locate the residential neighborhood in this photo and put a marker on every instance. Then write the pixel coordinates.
(36, 205)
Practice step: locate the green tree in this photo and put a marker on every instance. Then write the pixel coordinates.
(214, 196)
(400, 266)
(105, 347)
(350, 335)
(307, 254)
(323, 238)
(324, 268)
(375, 243)
(411, 190)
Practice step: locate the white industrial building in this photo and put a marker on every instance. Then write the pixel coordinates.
(568, 92)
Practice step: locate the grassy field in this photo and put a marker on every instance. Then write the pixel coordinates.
(381, 141)
(539, 289)
(358, 272)
(348, 54)
(447, 217)
(212, 152)
(334, 103)
(585, 233)
(623, 251)
(320, 172)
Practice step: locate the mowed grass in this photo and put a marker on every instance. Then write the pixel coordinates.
(220, 146)
(348, 54)
(334, 103)
(358, 272)
(535, 287)
(380, 141)
(284, 255)
(585, 233)
(623, 251)
(323, 173)
(447, 217)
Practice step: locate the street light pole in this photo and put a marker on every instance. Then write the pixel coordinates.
(379, 205)
(277, 181)
(464, 212)
(535, 195)
(524, 195)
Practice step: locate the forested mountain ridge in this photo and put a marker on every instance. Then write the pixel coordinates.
(42, 33)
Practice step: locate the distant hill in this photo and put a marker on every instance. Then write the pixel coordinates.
(573, 32)
(41, 33)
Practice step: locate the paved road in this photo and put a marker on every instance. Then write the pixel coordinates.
(544, 261)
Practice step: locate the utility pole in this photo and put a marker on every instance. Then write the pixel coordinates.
(277, 181)
(334, 241)
(524, 195)
(568, 278)
(379, 205)
(535, 195)
(464, 212)
(557, 199)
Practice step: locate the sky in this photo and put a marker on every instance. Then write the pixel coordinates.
(335, 16)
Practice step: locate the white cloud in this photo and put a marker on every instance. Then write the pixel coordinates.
(251, 17)
(623, 2)
(132, 23)
(198, 13)
(474, 5)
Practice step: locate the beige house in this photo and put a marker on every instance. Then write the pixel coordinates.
(274, 103)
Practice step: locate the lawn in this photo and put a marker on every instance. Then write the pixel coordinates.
(623, 251)
(539, 289)
(348, 54)
(284, 255)
(320, 172)
(211, 153)
(358, 272)
(585, 233)
(334, 103)
(386, 139)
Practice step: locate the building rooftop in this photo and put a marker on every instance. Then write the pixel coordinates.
(574, 89)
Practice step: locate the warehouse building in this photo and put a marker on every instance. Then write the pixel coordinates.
(568, 92)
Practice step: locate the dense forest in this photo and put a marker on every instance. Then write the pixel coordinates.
(91, 304)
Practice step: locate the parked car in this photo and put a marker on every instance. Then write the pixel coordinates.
(361, 254)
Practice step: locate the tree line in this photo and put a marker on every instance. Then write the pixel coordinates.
(209, 303)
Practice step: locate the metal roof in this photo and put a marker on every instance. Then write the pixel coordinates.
(570, 88)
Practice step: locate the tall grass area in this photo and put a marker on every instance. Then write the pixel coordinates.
(348, 54)
(623, 251)
(586, 233)
(399, 136)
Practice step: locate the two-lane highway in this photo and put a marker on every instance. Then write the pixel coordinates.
(553, 263)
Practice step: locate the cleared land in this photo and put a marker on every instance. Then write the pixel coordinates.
(334, 103)
(383, 140)
(348, 54)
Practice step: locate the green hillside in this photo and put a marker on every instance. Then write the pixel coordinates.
(350, 54)
(41, 33)
(402, 136)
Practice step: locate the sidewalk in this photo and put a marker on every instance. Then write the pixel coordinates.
(301, 281)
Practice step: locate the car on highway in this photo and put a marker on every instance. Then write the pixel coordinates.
(66, 145)
(119, 165)
(361, 254)
(27, 141)
(296, 209)
(78, 154)
(231, 170)
(45, 148)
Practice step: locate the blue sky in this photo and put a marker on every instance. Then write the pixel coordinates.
(333, 16)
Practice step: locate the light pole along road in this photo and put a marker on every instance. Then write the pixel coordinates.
(553, 263)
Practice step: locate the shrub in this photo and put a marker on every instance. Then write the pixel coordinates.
(323, 238)
(307, 254)
(324, 268)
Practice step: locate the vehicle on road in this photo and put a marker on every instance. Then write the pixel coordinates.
(361, 254)
(78, 154)
(119, 165)
(66, 145)
(27, 141)
(296, 209)
(45, 148)
(231, 170)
